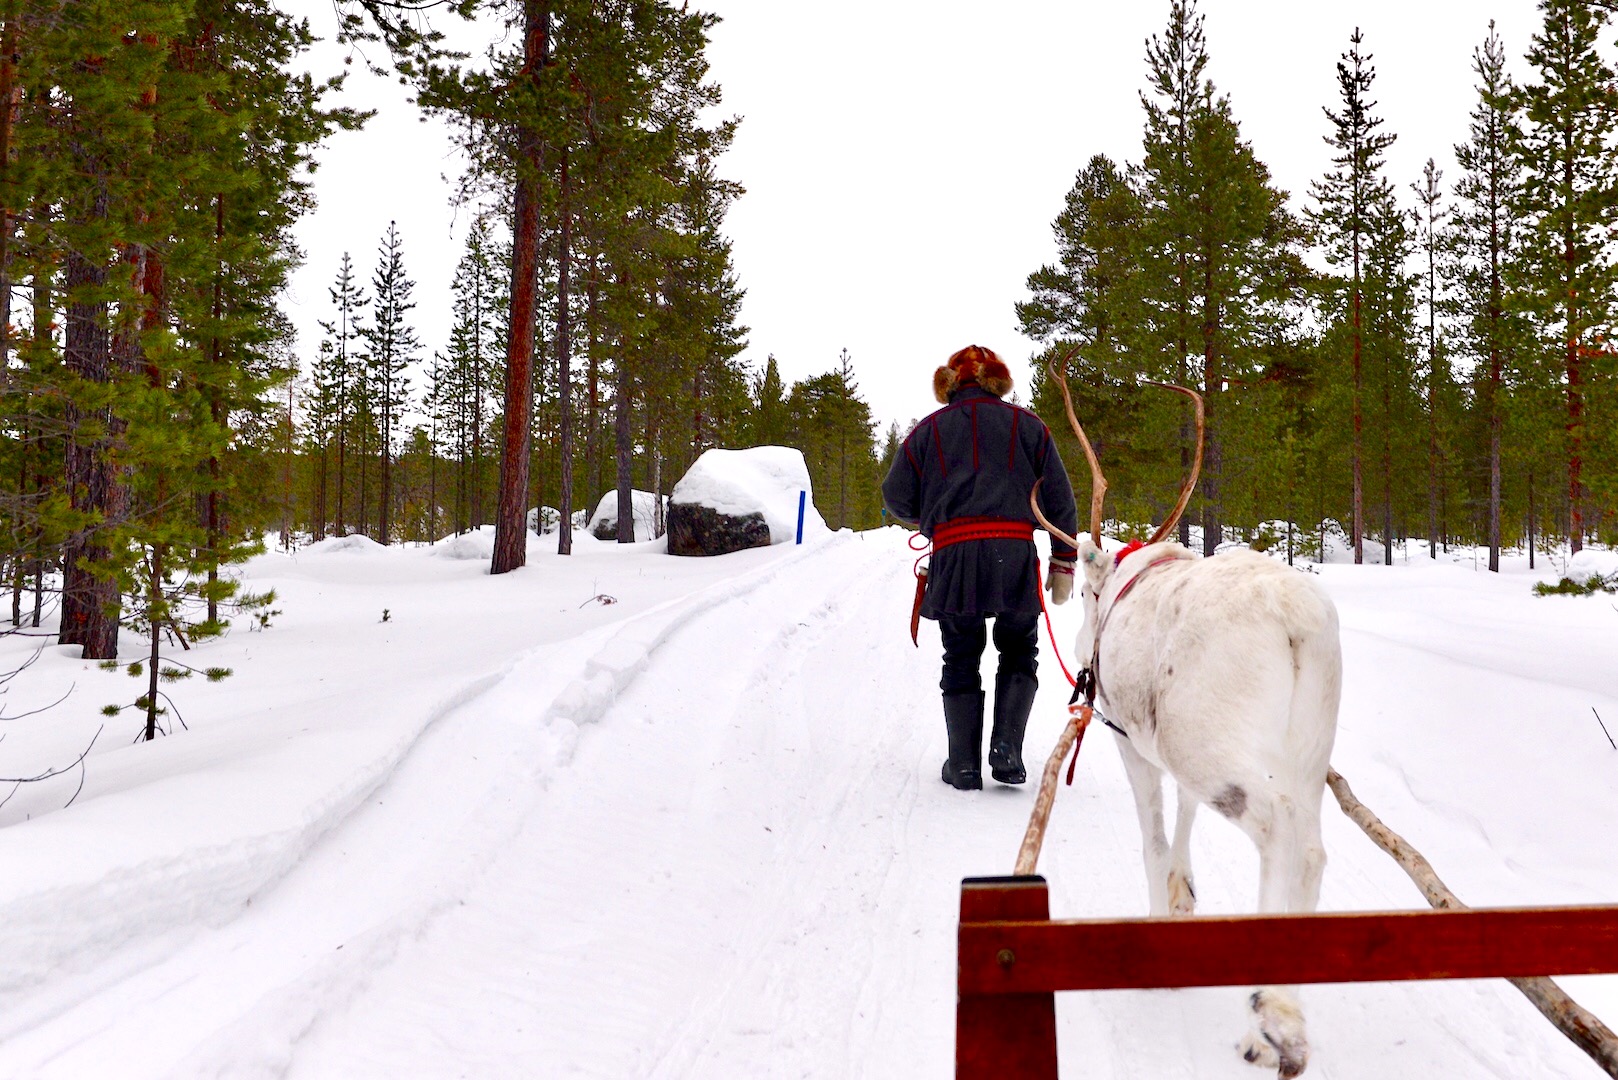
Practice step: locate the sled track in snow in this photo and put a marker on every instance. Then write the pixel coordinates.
(223, 891)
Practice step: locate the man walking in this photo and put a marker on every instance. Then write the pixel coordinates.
(964, 477)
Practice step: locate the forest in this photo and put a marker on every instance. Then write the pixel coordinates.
(1393, 360)
(1382, 359)
(162, 420)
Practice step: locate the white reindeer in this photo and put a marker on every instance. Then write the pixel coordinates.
(1225, 673)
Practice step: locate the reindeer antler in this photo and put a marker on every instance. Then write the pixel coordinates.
(1033, 501)
(1196, 464)
(1098, 488)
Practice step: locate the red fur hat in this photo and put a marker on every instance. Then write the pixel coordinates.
(973, 364)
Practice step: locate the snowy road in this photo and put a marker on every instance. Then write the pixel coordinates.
(746, 865)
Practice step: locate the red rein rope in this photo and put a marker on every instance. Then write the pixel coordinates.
(1051, 634)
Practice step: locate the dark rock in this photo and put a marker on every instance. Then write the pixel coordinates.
(702, 530)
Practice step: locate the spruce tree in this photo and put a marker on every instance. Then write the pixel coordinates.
(768, 424)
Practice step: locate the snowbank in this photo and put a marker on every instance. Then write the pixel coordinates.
(604, 522)
(353, 544)
(475, 543)
(763, 479)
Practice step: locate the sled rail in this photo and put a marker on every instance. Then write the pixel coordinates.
(1013, 958)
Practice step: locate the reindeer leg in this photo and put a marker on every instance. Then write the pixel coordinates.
(1182, 892)
(1311, 857)
(1278, 1037)
(1146, 782)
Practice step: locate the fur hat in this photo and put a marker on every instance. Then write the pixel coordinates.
(972, 365)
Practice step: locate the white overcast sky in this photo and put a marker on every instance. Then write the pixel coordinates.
(904, 159)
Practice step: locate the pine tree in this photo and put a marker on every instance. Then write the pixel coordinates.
(1223, 264)
(1352, 201)
(1092, 299)
(392, 348)
(1569, 209)
(344, 369)
(323, 424)
(472, 369)
(1480, 245)
(1175, 66)
(1428, 218)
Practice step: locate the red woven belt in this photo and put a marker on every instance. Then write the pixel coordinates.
(961, 530)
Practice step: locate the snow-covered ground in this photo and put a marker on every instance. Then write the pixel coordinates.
(517, 830)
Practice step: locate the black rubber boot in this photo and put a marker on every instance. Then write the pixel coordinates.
(963, 718)
(1013, 701)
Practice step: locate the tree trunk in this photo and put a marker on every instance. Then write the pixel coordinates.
(90, 599)
(1359, 485)
(8, 103)
(1530, 519)
(654, 469)
(318, 526)
(1213, 386)
(1575, 395)
(592, 447)
(154, 600)
(342, 430)
(286, 478)
(510, 525)
(564, 370)
(1432, 393)
(1182, 349)
(626, 513)
(1387, 458)
(385, 483)
(215, 522)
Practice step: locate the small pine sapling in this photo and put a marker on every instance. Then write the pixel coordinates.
(1588, 587)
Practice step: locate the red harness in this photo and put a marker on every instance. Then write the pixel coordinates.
(1094, 686)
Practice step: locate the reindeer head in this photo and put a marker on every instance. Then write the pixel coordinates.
(1094, 563)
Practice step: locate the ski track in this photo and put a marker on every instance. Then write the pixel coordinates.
(747, 867)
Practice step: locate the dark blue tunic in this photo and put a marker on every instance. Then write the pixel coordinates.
(979, 457)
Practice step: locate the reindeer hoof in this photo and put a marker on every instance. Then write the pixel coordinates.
(1257, 1051)
(1279, 1026)
(1182, 897)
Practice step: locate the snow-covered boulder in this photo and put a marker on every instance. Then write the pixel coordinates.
(1592, 563)
(736, 499)
(545, 520)
(603, 524)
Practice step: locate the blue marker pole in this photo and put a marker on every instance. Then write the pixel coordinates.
(803, 497)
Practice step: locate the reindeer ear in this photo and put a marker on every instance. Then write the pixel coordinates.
(1097, 565)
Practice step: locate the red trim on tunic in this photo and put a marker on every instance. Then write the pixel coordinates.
(960, 530)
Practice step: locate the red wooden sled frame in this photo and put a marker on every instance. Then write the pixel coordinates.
(1013, 958)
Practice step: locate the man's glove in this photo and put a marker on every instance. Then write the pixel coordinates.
(1059, 580)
